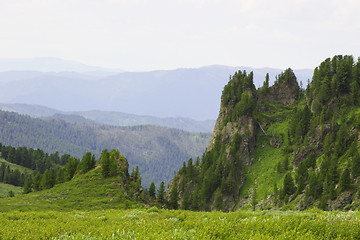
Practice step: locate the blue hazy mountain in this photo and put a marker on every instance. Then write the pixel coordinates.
(190, 92)
(109, 118)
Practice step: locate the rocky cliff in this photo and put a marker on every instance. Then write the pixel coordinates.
(220, 177)
(281, 147)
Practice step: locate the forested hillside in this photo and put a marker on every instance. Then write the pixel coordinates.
(156, 150)
(281, 147)
(33, 169)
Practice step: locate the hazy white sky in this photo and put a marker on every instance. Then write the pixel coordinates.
(155, 34)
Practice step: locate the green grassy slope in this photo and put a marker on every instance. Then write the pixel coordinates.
(5, 188)
(262, 175)
(15, 166)
(84, 192)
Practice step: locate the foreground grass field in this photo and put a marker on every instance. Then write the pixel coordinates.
(165, 224)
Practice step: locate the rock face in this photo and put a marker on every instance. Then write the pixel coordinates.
(235, 115)
(286, 89)
(341, 201)
(245, 127)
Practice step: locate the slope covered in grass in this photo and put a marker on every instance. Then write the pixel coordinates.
(90, 191)
(16, 167)
(262, 175)
(6, 188)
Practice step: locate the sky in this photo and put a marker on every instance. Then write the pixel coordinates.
(139, 35)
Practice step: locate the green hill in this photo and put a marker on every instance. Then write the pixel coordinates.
(83, 185)
(281, 147)
(90, 191)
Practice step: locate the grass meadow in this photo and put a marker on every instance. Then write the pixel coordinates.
(153, 223)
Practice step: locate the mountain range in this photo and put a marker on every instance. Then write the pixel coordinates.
(109, 118)
(188, 92)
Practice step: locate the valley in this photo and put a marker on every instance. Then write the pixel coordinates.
(156, 150)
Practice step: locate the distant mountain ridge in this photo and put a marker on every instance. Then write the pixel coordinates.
(110, 118)
(185, 92)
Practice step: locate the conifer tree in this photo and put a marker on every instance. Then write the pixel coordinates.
(45, 180)
(87, 163)
(105, 163)
(312, 185)
(333, 172)
(322, 203)
(190, 169)
(2, 172)
(161, 193)
(345, 181)
(182, 183)
(185, 202)
(289, 186)
(7, 175)
(27, 185)
(275, 194)
(219, 205)
(174, 198)
(37, 182)
(60, 178)
(136, 176)
(152, 190)
(195, 203)
(52, 179)
(311, 161)
(227, 184)
(197, 162)
(70, 168)
(355, 163)
(300, 177)
(266, 83)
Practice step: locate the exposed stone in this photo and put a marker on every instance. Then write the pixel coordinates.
(304, 203)
(341, 201)
(285, 91)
